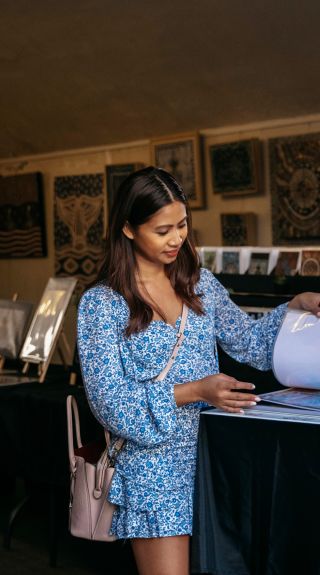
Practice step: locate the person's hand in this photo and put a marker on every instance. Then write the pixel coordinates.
(308, 301)
(224, 392)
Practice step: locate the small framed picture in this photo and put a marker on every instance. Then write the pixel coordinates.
(239, 229)
(287, 263)
(236, 167)
(180, 155)
(208, 258)
(259, 263)
(230, 261)
(115, 175)
(310, 263)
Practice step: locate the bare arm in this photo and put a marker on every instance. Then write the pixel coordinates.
(219, 390)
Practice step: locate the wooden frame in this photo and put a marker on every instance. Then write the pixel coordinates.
(236, 167)
(180, 155)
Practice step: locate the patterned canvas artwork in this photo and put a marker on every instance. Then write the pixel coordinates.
(230, 262)
(259, 263)
(295, 177)
(287, 264)
(78, 227)
(22, 226)
(310, 263)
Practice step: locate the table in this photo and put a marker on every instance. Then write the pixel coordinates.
(257, 497)
(33, 444)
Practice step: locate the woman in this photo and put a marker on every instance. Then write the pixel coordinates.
(128, 325)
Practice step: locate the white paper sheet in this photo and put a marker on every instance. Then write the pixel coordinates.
(296, 354)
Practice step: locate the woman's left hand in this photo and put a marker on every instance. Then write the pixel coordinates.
(309, 301)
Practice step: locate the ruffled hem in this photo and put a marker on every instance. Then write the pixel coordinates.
(129, 523)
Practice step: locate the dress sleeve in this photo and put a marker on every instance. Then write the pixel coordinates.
(245, 339)
(143, 412)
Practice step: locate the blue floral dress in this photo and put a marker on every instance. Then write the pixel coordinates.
(153, 482)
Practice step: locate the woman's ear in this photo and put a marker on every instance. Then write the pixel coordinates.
(127, 231)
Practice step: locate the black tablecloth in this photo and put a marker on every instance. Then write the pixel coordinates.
(33, 429)
(257, 500)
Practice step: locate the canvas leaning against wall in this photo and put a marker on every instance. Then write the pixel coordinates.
(78, 227)
(295, 193)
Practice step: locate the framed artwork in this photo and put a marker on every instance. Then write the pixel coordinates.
(79, 227)
(259, 263)
(115, 175)
(239, 229)
(14, 320)
(230, 262)
(287, 263)
(236, 167)
(208, 257)
(295, 189)
(47, 321)
(310, 263)
(180, 155)
(22, 221)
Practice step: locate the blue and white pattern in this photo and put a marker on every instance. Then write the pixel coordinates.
(153, 481)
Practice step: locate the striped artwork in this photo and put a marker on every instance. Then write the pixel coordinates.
(78, 226)
(22, 229)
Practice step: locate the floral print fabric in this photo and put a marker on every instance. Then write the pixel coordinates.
(152, 485)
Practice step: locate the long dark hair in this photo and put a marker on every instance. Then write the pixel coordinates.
(138, 198)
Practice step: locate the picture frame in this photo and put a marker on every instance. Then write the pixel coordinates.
(115, 175)
(239, 229)
(236, 167)
(259, 261)
(294, 187)
(230, 261)
(287, 263)
(310, 262)
(15, 317)
(47, 322)
(208, 257)
(180, 155)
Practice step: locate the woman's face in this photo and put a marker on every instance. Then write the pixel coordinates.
(161, 237)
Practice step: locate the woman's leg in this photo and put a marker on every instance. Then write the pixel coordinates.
(162, 555)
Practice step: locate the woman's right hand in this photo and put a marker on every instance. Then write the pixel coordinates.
(219, 390)
(226, 393)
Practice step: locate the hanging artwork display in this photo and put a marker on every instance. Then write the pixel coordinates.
(22, 225)
(239, 229)
(180, 155)
(78, 227)
(115, 175)
(236, 168)
(295, 193)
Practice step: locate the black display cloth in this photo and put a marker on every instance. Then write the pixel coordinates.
(257, 497)
(33, 429)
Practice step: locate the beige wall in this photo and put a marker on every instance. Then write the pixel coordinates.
(29, 276)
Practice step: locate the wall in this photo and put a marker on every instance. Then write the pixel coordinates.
(28, 277)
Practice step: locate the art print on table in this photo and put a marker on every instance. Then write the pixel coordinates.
(287, 263)
(230, 262)
(310, 263)
(295, 190)
(259, 263)
(208, 258)
(79, 227)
